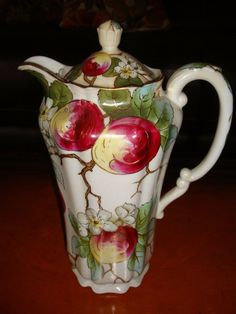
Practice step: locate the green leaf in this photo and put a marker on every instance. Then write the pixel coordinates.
(75, 245)
(162, 115)
(142, 100)
(73, 222)
(121, 82)
(116, 103)
(163, 111)
(143, 218)
(173, 132)
(111, 72)
(80, 246)
(137, 260)
(74, 73)
(84, 248)
(42, 80)
(142, 239)
(58, 173)
(145, 226)
(164, 137)
(60, 94)
(95, 267)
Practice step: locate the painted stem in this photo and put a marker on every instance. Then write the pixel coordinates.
(61, 156)
(90, 82)
(117, 276)
(88, 166)
(148, 171)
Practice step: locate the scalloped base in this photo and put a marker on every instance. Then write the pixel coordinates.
(110, 287)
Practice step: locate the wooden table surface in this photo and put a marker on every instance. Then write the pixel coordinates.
(193, 269)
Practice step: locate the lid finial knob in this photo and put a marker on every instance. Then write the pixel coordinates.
(109, 34)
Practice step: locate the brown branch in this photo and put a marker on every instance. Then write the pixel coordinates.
(90, 82)
(145, 76)
(117, 276)
(62, 156)
(89, 167)
(148, 171)
(72, 156)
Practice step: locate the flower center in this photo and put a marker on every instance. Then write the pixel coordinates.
(96, 223)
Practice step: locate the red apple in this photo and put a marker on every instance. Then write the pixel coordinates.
(126, 145)
(77, 125)
(97, 64)
(114, 247)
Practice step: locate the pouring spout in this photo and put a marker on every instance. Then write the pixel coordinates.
(48, 67)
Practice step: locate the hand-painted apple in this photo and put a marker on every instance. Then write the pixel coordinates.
(97, 64)
(77, 125)
(114, 247)
(126, 145)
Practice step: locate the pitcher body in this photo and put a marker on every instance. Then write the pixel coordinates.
(109, 165)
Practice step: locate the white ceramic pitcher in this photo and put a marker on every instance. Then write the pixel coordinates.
(109, 128)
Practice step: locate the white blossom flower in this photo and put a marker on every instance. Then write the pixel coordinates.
(95, 222)
(47, 114)
(135, 65)
(83, 224)
(139, 69)
(125, 70)
(127, 213)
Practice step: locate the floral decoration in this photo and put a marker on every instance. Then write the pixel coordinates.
(123, 132)
(97, 64)
(114, 247)
(46, 115)
(77, 125)
(102, 238)
(94, 222)
(123, 68)
(128, 68)
(126, 145)
(127, 214)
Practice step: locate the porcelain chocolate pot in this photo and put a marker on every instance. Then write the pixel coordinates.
(109, 128)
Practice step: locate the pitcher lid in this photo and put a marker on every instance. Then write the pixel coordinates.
(110, 67)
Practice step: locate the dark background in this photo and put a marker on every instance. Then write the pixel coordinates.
(195, 31)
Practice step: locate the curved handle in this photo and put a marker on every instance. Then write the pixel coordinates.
(175, 85)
